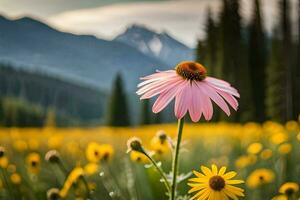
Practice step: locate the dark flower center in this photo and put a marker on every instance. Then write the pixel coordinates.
(191, 70)
(96, 153)
(261, 178)
(216, 183)
(289, 191)
(34, 163)
(1, 154)
(106, 156)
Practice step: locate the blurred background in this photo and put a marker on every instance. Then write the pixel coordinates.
(80, 61)
(68, 75)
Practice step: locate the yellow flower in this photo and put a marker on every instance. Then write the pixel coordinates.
(106, 152)
(159, 146)
(279, 138)
(71, 179)
(3, 158)
(55, 141)
(254, 148)
(20, 145)
(91, 168)
(245, 161)
(289, 188)
(33, 144)
(33, 161)
(285, 148)
(15, 178)
(291, 126)
(266, 154)
(260, 177)
(298, 136)
(2, 151)
(138, 157)
(3, 162)
(93, 152)
(215, 185)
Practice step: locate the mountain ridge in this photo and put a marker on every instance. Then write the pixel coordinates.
(28, 42)
(161, 46)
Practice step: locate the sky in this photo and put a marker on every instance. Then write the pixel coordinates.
(183, 19)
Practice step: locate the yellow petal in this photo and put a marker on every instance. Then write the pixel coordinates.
(206, 171)
(198, 180)
(198, 174)
(229, 175)
(222, 171)
(194, 189)
(233, 182)
(214, 169)
(199, 194)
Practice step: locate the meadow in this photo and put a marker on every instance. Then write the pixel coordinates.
(64, 163)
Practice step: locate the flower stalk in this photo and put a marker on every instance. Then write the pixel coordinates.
(160, 171)
(175, 163)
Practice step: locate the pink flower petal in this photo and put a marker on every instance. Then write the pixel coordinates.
(159, 74)
(211, 92)
(195, 107)
(230, 99)
(148, 81)
(217, 81)
(223, 87)
(206, 105)
(154, 85)
(183, 99)
(161, 89)
(164, 99)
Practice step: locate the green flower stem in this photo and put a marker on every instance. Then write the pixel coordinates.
(160, 171)
(175, 158)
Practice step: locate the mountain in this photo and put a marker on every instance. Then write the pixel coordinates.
(35, 46)
(156, 45)
(71, 101)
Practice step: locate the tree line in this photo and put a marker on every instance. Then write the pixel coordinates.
(264, 67)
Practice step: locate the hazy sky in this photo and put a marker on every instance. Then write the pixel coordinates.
(184, 19)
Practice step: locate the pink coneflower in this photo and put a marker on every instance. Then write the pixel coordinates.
(192, 90)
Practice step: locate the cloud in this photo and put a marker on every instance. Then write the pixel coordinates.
(184, 19)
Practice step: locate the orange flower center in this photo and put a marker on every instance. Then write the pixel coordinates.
(191, 70)
(216, 183)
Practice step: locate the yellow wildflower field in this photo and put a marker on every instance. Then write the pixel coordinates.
(91, 163)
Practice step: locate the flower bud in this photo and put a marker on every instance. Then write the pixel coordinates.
(52, 156)
(2, 151)
(162, 136)
(135, 144)
(53, 194)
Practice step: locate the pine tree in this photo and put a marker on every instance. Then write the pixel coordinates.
(257, 62)
(275, 89)
(296, 78)
(234, 58)
(211, 44)
(201, 52)
(118, 112)
(145, 117)
(286, 50)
